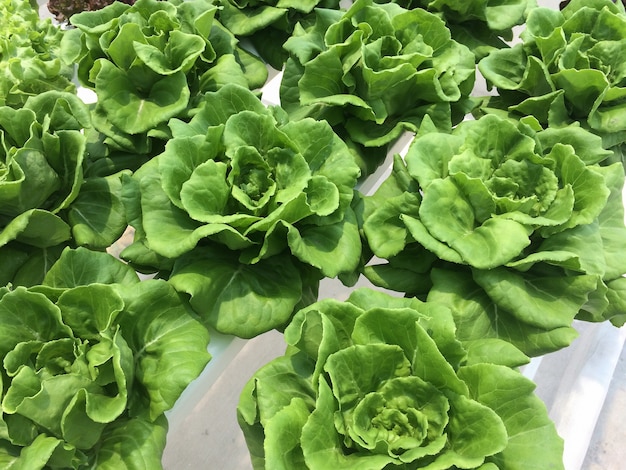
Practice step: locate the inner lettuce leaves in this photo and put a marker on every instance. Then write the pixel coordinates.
(92, 359)
(527, 227)
(149, 62)
(382, 382)
(245, 211)
(373, 72)
(46, 202)
(567, 68)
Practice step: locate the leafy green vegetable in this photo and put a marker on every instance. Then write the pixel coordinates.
(382, 382)
(40, 174)
(267, 24)
(149, 62)
(568, 68)
(29, 54)
(373, 72)
(91, 361)
(45, 202)
(534, 217)
(251, 209)
(482, 25)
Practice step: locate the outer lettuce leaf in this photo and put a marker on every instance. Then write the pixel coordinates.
(235, 298)
(166, 338)
(478, 316)
(43, 450)
(82, 267)
(133, 443)
(27, 266)
(380, 381)
(97, 215)
(251, 208)
(519, 415)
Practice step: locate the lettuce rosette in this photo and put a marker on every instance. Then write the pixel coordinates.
(381, 382)
(29, 54)
(267, 24)
(568, 68)
(523, 229)
(373, 72)
(482, 25)
(245, 211)
(45, 200)
(149, 62)
(91, 360)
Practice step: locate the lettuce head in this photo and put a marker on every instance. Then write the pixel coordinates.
(381, 382)
(89, 358)
(568, 68)
(246, 211)
(526, 226)
(374, 71)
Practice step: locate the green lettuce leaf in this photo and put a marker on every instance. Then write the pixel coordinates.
(535, 214)
(152, 61)
(568, 68)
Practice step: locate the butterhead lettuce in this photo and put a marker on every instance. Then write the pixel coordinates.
(41, 157)
(381, 382)
(92, 358)
(374, 71)
(246, 210)
(29, 54)
(45, 200)
(568, 68)
(151, 61)
(482, 25)
(267, 24)
(523, 223)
